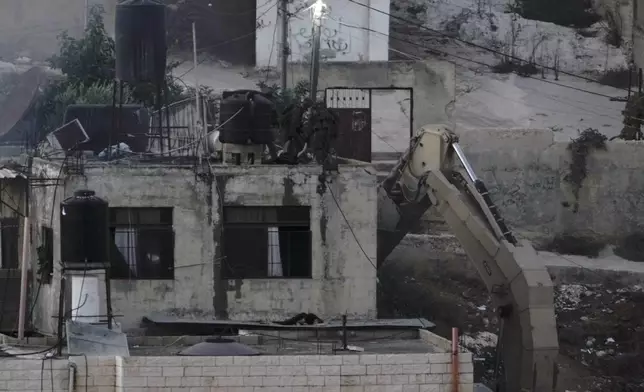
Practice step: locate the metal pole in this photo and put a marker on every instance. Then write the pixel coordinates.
(196, 64)
(455, 369)
(315, 59)
(285, 48)
(24, 267)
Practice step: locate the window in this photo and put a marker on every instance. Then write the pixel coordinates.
(142, 243)
(266, 242)
(46, 255)
(9, 229)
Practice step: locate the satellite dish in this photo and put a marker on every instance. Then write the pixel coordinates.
(20, 98)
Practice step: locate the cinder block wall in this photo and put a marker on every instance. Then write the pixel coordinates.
(35, 375)
(319, 373)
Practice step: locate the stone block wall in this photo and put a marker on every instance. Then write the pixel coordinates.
(308, 373)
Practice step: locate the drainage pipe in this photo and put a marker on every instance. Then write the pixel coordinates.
(455, 370)
(72, 377)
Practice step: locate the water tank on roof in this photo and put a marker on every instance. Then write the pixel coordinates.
(84, 228)
(247, 117)
(141, 50)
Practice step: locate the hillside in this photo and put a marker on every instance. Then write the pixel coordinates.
(487, 36)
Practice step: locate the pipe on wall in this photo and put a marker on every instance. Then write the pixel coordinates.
(455, 369)
(72, 377)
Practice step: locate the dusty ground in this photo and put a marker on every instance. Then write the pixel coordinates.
(601, 327)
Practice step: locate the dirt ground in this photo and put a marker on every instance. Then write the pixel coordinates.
(601, 327)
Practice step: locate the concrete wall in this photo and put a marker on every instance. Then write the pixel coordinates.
(524, 170)
(350, 32)
(30, 27)
(301, 373)
(432, 82)
(343, 279)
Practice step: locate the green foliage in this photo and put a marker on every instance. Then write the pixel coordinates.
(284, 99)
(89, 59)
(88, 65)
(575, 13)
(580, 148)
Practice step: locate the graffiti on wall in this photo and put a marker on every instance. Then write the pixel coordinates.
(333, 40)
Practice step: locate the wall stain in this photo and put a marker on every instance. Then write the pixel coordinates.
(289, 198)
(236, 287)
(220, 301)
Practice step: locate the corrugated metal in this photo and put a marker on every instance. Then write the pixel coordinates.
(6, 173)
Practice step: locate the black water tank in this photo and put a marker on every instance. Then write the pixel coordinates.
(247, 117)
(84, 228)
(141, 50)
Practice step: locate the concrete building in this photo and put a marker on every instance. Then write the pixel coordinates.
(350, 32)
(209, 247)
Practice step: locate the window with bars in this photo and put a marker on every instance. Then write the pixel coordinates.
(142, 243)
(266, 242)
(9, 233)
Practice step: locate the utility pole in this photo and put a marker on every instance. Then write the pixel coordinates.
(285, 47)
(318, 8)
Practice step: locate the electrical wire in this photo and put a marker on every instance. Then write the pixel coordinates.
(252, 33)
(475, 45)
(199, 140)
(51, 222)
(491, 66)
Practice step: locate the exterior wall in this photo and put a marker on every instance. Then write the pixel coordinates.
(331, 373)
(433, 84)
(30, 27)
(524, 170)
(350, 33)
(343, 280)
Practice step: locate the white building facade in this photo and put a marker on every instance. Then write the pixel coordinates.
(350, 32)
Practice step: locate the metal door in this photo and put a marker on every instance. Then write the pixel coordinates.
(353, 106)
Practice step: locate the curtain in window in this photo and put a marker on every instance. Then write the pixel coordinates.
(125, 239)
(275, 268)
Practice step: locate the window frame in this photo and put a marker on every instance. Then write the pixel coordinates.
(165, 225)
(282, 217)
(6, 223)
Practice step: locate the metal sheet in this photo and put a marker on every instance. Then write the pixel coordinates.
(219, 348)
(6, 173)
(93, 340)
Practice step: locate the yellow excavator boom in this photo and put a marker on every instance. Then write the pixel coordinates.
(429, 174)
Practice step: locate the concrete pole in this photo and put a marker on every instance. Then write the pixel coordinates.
(285, 47)
(315, 60)
(24, 268)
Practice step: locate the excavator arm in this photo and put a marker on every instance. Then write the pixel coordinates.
(518, 282)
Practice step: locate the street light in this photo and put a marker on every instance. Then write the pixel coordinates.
(318, 11)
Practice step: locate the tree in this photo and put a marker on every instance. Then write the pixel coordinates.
(88, 65)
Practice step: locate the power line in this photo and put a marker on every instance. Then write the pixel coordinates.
(491, 66)
(475, 45)
(251, 33)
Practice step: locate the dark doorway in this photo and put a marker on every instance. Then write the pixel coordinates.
(353, 107)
